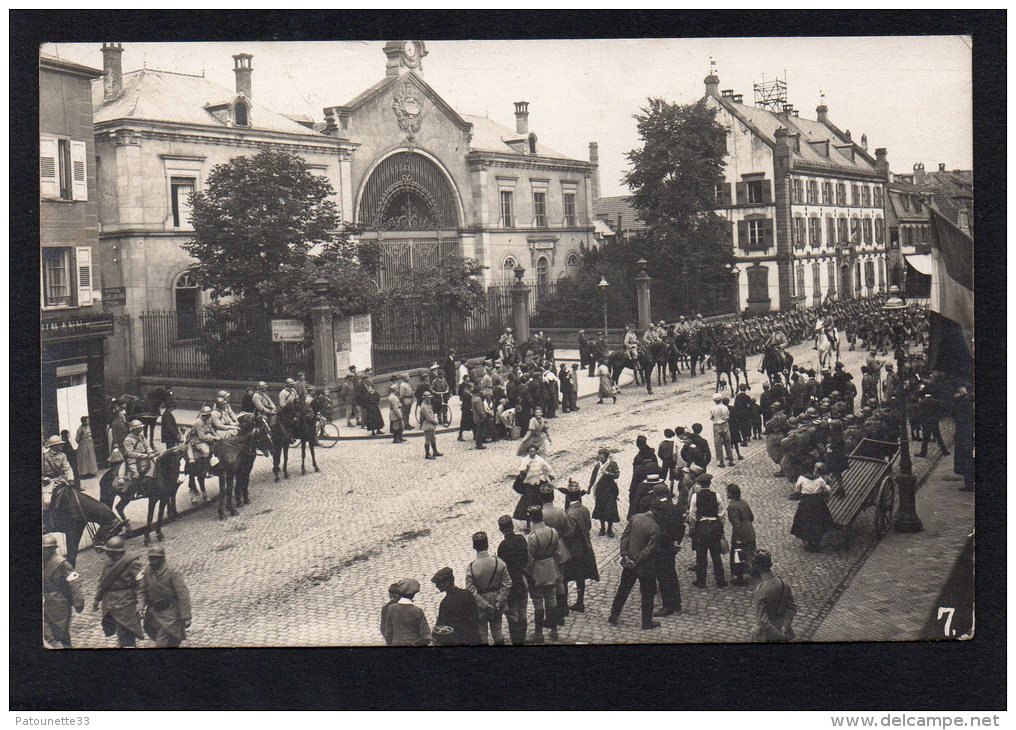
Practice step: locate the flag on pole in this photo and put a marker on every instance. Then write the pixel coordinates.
(951, 320)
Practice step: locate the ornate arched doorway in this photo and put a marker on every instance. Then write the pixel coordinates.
(408, 205)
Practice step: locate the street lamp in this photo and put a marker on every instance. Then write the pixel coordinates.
(320, 286)
(603, 285)
(907, 519)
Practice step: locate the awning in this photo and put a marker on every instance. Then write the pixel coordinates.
(920, 261)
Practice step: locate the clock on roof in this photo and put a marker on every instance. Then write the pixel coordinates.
(409, 48)
(404, 56)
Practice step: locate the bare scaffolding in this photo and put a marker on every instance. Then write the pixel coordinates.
(771, 95)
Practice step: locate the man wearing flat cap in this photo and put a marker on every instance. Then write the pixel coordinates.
(168, 614)
(487, 578)
(404, 623)
(458, 611)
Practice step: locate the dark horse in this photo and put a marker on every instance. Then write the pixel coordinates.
(235, 454)
(664, 356)
(146, 409)
(159, 490)
(692, 351)
(71, 511)
(264, 443)
(776, 362)
(618, 360)
(729, 359)
(295, 420)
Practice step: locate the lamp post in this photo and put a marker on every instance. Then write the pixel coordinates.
(907, 519)
(735, 273)
(520, 305)
(324, 334)
(603, 285)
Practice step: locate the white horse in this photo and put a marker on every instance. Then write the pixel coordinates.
(828, 349)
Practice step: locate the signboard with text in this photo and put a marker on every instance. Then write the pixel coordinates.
(287, 330)
(114, 296)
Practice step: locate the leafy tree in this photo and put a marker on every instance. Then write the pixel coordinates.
(673, 178)
(437, 297)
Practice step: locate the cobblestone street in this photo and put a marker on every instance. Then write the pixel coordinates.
(308, 562)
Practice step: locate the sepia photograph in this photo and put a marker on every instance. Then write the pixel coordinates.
(706, 305)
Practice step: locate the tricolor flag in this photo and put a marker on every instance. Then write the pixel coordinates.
(952, 298)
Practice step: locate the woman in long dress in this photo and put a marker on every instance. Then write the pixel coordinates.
(606, 384)
(537, 435)
(812, 519)
(603, 487)
(375, 423)
(88, 466)
(534, 472)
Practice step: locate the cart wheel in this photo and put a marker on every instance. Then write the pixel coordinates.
(329, 435)
(884, 506)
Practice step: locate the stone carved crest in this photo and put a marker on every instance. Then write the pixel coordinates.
(408, 110)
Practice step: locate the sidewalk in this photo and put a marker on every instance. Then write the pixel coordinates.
(898, 586)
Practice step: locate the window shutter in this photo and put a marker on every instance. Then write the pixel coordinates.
(739, 191)
(49, 183)
(767, 232)
(83, 261)
(742, 234)
(726, 194)
(79, 177)
(767, 191)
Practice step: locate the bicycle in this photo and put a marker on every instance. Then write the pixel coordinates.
(327, 432)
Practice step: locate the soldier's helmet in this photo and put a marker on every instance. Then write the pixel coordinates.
(220, 401)
(206, 411)
(222, 394)
(157, 551)
(136, 424)
(115, 544)
(763, 560)
(49, 541)
(508, 330)
(262, 384)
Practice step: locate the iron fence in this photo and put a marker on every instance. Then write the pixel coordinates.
(197, 345)
(406, 337)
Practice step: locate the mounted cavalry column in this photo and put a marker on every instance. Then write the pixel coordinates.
(520, 306)
(642, 282)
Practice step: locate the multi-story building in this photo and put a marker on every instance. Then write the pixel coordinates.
(805, 204)
(427, 179)
(909, 225)
(950, 191)
(73, 324)
(157, 136)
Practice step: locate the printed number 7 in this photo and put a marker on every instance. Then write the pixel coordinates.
(948, 613)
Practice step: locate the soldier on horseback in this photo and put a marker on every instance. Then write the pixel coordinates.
(263, 403)
(140, 454)
(223, 419)
(202, 436)
(631, 343)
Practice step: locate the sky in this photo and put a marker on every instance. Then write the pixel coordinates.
(911, 95)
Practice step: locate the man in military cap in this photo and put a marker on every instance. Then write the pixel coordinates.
(555, 517)
(288, 393)
(488, 579)
(514, 551)
(263, 404)
(138, 452)
(457, 610)
(54, 461)
(631, 342)
(223, 420)
(202, 436)
(168, 601)
(543, 572)
(117, 594)
(61, 589)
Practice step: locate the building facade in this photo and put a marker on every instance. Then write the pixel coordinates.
(805, 204)
(74, 326)
(950, 191)
(158, 134)
(908, 216)
(426, 180)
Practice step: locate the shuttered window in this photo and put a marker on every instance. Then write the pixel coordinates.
(799, 232)
(879, 230)
(758, 284)
(795, 192)
(569, 209)
(841, 194)
(812, 192)
(866, 228)
(63, 169)
(79, 176)
(841, 230)
(56, 276)
(831, 276)
(181, 189)
(540, 210)
(816, 283)
(866, 196)
(827, 193)
(878, 196)
(869, 274)
(800, 280)
(83, 260)
(507, 209)
(49, 183)
(831, 230)
(815, 232)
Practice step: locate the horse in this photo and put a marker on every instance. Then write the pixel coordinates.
(295, 420)
(71, 511)
(146, 409)
(776, 361)
(728, 359)
(828, 348)
(660, 353)
(262, 441)
(231, 452)
(618, 360)
(159, 490)
(695, 352)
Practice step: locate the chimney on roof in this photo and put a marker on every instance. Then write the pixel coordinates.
(788, 109)
(918, 173)
(941, 167)
(822, 111)
(737, 98)
(242, 69)
(864, 142)
(882, 162)
(727, 93)
(112, 66)
(712, 80)
(594, 159)
(847, 134)
(522, 117)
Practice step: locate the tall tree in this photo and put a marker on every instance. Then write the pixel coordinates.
(673, 180)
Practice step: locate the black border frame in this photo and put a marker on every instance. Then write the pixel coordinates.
(859, 676)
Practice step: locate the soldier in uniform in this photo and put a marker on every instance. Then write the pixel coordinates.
(168, 600)
(138, 452)
(514, 551)
(263, 404)
(202, 436)
(54, 461)
(631, 342)
(773, 605)
(506, 345)
(117, 594)
(288, 393)
(555, 517)
(61, 589)
(223, 420)
(543, 572)
(488, 579)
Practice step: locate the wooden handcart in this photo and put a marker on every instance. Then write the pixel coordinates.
(868, 482)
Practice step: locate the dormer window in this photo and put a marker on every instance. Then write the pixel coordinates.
(241, 114)
(532, 144)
